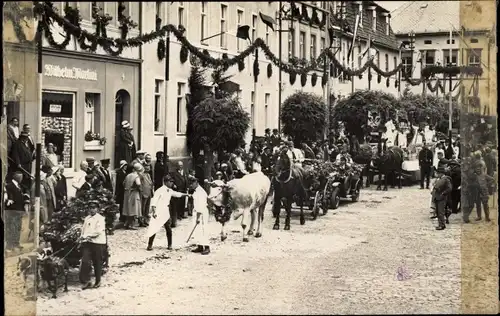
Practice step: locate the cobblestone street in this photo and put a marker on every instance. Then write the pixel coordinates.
(345, 262)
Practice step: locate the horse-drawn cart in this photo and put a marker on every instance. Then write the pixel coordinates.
(331, 183)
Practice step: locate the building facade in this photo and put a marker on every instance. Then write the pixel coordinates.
(429, 24)
(375, 24)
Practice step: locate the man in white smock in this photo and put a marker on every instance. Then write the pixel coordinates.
(160, 213)
(200, 220)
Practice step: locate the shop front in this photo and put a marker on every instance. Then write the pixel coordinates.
(84, 102)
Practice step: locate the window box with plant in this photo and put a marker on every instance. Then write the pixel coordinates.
(93, 141)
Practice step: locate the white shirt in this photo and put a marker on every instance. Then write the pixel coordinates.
(347, 158)
(53, 159)
(299, 156)
(15, 129)
(200, 201)
(95, 225)
(79, 179)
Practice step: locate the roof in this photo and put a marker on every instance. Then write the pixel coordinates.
(426, 17)
(379, 36)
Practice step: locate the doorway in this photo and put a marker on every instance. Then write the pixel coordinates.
(122, 113)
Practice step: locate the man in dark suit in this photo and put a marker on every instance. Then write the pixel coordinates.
(104, 175)
(27, 130)
(160, 169)
(23, 157)
(180, 185)
(121, 174)
(440, 195)
(89, 178)
(15, 203)
(425, 162)
(275, 138)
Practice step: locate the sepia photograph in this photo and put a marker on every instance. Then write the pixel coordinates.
(250, 158)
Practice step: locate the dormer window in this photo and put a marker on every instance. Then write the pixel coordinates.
(374, 17)
(387, 22)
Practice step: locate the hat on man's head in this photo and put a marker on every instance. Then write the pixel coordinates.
(93, 204)
(24, 134)
(138, 167)
(90, 159)
(125, 124)
(123, 163)
(140, 152)
(105, 161)
(223, 164)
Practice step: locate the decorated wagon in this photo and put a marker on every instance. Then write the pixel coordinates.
(65, 227)
(331, 182)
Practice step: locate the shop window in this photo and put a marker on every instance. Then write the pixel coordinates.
(223, 26)
(57, 124)
(474, 57)
(181, 108)
(158, 105)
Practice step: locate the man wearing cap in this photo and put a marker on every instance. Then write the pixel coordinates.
(105, 175)
(147, 191)
(160, 213)
(132, 207)
(425, 163)
(22, 155)
(15, 207)
(139, 158)
(93, 240)
(148, 161)
(440, 194)
(200, 220)
(79, 176)
(126, 143)
(121, 174)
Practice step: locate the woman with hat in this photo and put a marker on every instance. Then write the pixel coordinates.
(50, 157)
(60, 186)
(160, 213)
(132, 206)
(126, 143)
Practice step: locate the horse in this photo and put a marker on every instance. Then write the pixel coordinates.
(288, 184)
(389, 163)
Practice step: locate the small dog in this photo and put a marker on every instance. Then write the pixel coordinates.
(25, 267)
(51, 269)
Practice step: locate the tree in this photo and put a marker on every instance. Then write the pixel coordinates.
(196, 82)
(353, 111)
(219, 122)
(303, 117)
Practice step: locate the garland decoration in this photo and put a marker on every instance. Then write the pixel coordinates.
(438, 85)
(269, 70)
(360, 76)
(379, 78)
(387, 83)
(303, 79)
(256, 69)
(225, 57)
(160, 50)
(183, 54)
(241, 65)
(305, 15)
(314, 79)
(47, 15)
(293, 76)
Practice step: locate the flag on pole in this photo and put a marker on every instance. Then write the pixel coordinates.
(354, 37)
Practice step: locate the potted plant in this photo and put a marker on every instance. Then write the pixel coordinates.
(93, 141)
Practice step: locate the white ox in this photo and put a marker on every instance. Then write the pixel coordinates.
(243, 197)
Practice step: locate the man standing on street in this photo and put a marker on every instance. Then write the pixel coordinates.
(180, 185)
(104, 174)
(121, 174)
(425, 163)
(93, 239)
(160, 213)
(200, 218)
(15, 203)
(160, 169)
(442, 188)
(147, 192)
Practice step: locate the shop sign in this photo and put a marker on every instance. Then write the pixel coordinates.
(55, 108)
(70, 73)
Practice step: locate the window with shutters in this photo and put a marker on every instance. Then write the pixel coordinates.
(204, 23)
(239, 16)
(313, 52)
(181, 108)
(223, 26)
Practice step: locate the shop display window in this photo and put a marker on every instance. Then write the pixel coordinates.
(57, 124)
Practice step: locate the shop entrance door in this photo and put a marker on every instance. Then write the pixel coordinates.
(122, 113)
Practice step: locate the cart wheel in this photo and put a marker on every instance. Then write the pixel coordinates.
(355, 197)
(316, 205)
(335, 198)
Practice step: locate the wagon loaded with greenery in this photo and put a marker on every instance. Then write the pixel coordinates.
(330, 182)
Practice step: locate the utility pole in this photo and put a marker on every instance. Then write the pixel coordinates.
(280, 39)
(450, 114)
